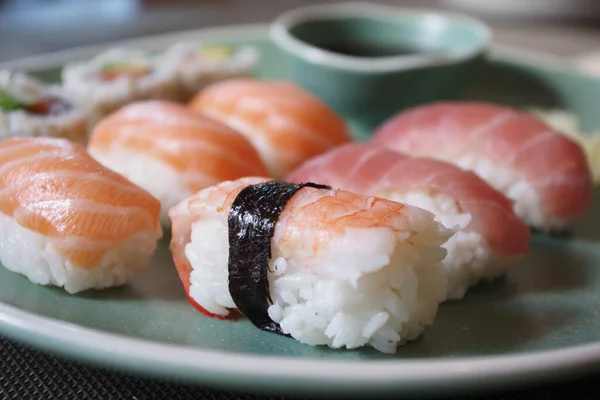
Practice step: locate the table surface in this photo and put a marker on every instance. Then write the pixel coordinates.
(30, 27)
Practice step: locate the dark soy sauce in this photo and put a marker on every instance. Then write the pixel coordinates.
(370, 49)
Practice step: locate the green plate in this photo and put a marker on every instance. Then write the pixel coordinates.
(541, 322)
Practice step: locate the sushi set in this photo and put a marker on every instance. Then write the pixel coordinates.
(186, 210)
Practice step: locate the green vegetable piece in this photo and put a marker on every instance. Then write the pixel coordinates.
(9, 103)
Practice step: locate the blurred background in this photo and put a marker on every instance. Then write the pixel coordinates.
(567, 28)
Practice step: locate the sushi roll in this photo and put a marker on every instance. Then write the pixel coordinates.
(166, 149)
(67, 221)
(285, 123)
(322, 266)
(28, 108)
(543, 172)
(198, 65)
(118, 77)
(489, 238)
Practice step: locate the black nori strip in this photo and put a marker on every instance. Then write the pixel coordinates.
(251, 223)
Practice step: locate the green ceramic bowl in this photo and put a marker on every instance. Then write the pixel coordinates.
(413, 56)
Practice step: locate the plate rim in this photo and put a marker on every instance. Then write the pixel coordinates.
(301, 375)
(247, 371)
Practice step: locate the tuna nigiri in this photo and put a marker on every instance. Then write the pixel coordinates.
(68, 221)
(285, 123)
(295, 263)
(543, 172)
(490, 236)
(166, 149)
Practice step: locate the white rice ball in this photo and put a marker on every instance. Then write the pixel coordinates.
(470, 259)
(516, 187)
(33, 255)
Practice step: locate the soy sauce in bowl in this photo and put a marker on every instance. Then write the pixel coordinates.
(368, 61)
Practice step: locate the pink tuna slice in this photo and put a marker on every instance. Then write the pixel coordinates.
(554, 165)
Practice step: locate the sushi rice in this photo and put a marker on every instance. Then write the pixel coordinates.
(70, 123)
(32, 254)
(83, 81)
(515, 187)
(470, 258)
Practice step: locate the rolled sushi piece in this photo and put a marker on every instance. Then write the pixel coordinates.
(490, 238)
(67, 221)
(198, 65)
(286, 124)
(29, 108)
(118, 77)
(543, 172)
(171, 152)
(322, 266)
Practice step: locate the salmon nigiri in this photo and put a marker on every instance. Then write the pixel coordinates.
(544, 172)
(166, 149)
(285, 123)
(490, 236)
(68, 221)
(294, 260)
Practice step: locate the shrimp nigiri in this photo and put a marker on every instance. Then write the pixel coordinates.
(326, 267)
(166, 149)
(68, 221)
(544, 172)
(490, 236)
(285, 123)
